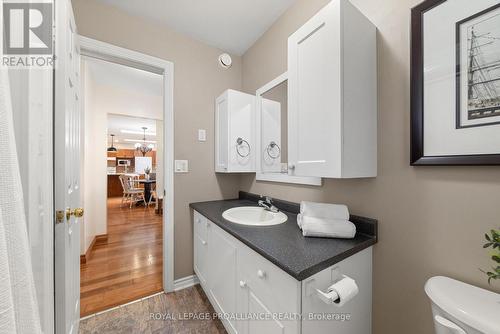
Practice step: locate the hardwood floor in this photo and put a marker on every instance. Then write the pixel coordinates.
(163, 313)
(129, 266)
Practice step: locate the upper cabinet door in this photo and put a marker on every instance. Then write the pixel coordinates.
(235, 132)
(314, 88)
(332, 95)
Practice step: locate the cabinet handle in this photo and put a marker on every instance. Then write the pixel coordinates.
(261, 274)
(291, 166)
(243, 284)
(203, 242)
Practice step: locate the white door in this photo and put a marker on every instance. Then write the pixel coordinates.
(67, 147)
(314, 95)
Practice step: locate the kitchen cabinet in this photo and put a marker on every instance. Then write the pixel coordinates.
(332, 95)
(115, 188)
(235, 123)
(123, 153)
(255, 296)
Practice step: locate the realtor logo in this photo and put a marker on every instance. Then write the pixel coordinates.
(27, 28)
(27, 34)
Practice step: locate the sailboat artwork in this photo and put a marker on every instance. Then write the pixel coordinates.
(478, 69)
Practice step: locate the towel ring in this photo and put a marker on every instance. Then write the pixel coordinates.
(269, 149)
(240, 141)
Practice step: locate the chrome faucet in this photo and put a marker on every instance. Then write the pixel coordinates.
(267, 204)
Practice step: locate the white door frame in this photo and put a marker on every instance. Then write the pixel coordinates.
(97, 49)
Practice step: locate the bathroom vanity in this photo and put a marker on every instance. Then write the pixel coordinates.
(265, 279)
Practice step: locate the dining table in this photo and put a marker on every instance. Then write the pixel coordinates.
(147, 187)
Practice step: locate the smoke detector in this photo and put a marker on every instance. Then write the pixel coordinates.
(225, 60)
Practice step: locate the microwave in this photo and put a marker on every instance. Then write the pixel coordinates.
(123, 162)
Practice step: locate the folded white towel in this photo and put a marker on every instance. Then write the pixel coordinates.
(324, 210)
(326, 228)
(299, 220)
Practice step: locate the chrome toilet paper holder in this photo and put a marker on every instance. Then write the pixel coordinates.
(330, 297)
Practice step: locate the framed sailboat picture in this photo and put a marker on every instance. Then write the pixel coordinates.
(455, 83)
(478, 69)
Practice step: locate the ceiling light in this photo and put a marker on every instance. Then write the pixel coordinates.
(112, 148)
(133, 132)
(143, 148)
(135, 141)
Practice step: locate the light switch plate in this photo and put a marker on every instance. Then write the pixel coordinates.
(202, 135)
(181, 166)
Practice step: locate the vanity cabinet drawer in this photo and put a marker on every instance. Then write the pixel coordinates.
(277, 290)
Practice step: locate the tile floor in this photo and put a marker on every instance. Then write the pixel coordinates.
(138, 317)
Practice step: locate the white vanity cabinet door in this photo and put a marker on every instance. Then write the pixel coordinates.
(235, 118)
(314, 94)
(200, 247)
(266, 290)
(332, 102)
(252, 304)
(221, 133)
(222, 278)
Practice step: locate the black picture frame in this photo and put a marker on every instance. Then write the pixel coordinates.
(417, 113)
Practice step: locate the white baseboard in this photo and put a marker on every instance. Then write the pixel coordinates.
(185, 282)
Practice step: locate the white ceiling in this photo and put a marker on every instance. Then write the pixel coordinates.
(124, 77)
(117, 123)
(231, 25)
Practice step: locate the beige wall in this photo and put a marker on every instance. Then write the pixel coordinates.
(198, 80)
(431, 219)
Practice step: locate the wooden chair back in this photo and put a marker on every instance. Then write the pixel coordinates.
(126, 182)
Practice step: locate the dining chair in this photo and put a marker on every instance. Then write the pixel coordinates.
(130, 193)
(153, 195)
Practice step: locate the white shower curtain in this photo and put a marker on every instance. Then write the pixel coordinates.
(18, 304)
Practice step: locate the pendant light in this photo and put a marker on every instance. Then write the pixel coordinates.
(144, 148)
(112, 148)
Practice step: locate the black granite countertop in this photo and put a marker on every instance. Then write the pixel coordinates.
(284, 244)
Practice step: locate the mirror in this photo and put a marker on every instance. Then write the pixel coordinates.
(272, 134)
(274, 141)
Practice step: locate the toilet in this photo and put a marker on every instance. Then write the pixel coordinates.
(460, 308)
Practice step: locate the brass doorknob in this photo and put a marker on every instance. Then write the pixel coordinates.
(78, 213)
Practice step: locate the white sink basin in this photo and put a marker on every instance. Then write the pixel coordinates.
(254, 216)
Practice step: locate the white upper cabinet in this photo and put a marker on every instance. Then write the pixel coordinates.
(332, 69)
(235, 132)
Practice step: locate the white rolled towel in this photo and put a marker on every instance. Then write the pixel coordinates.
(326, 228)
(324, 210)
